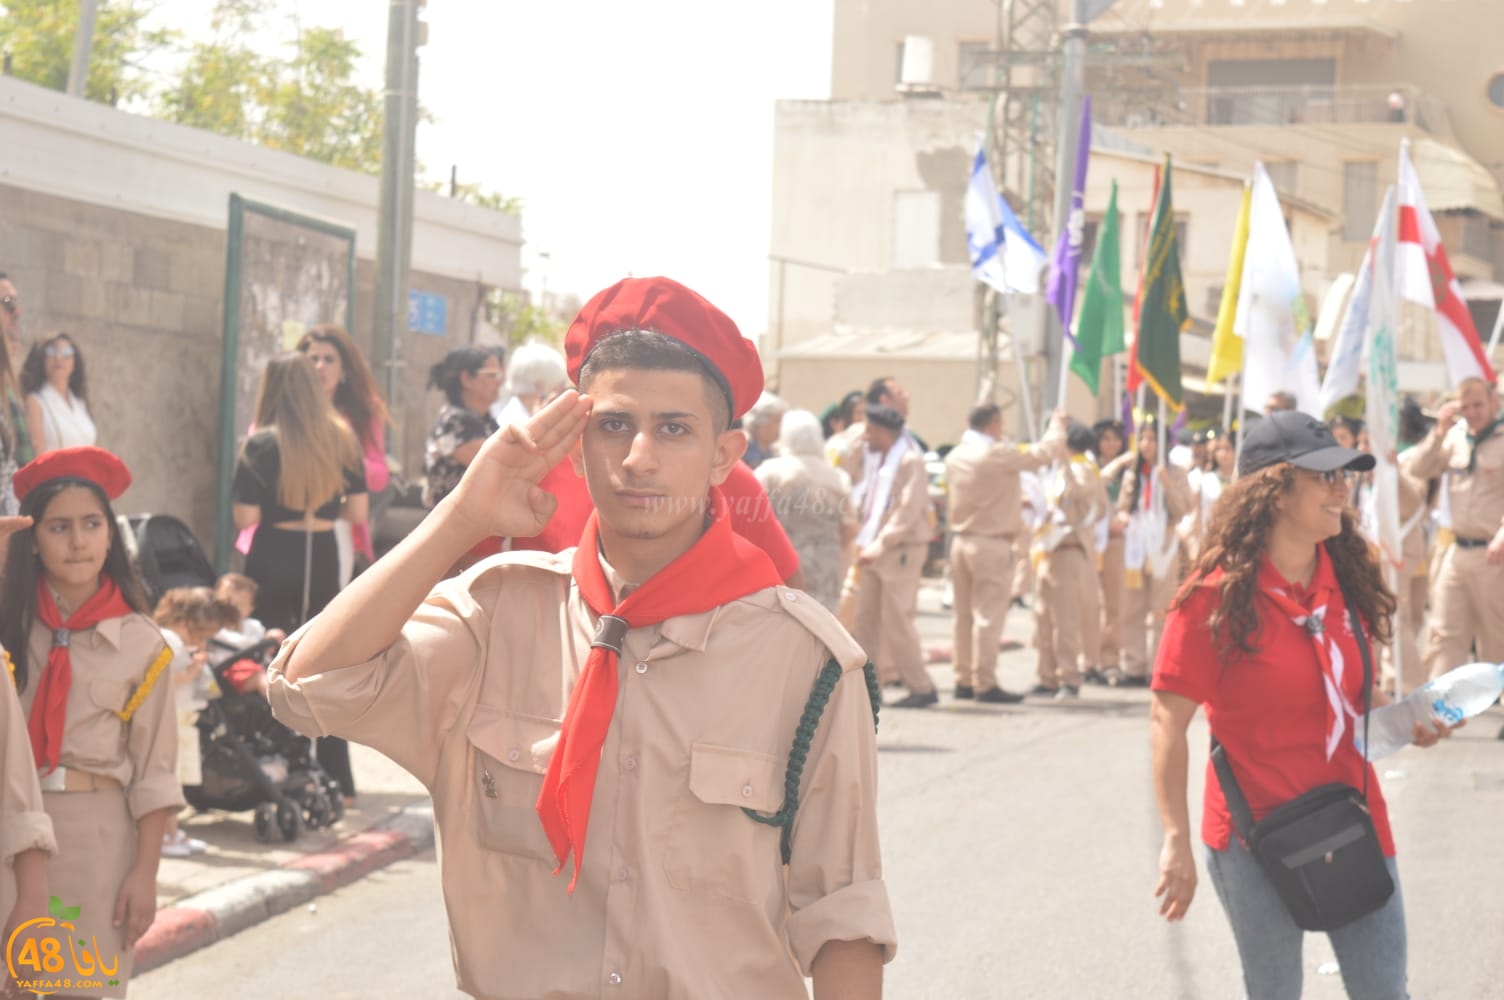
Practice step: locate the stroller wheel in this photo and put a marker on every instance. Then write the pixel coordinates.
(289, 821)
(316, 810)
(266, 814)
(336, 802)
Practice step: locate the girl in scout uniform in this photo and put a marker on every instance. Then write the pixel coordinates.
(89, 668)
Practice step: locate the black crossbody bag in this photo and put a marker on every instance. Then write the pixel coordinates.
(1321, 850)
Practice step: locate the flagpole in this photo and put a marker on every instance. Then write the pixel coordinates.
(1227, 393)
(1066, 352)
(1493, 340)
(1025, 397)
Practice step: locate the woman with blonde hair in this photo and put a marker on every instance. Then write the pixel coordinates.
(298, 473)
(812, 500)
(347, 380)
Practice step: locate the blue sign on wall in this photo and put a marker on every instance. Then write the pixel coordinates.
(427, 313)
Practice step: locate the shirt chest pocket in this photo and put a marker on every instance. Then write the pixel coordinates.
(715, 847)
(509, 756)
(95, 732)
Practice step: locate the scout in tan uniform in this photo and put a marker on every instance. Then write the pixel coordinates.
(1467, 611)
(90, 671)
(985, 519)
(648, 685)
(892, 502)
(26, 838)
(1150, 579)
(1112, 460)
(1077, 502)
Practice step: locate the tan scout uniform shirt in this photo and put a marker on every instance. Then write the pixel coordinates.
(1477, 497)
(24, 825)
(110, 661)
(1177, 487)
(681, 894)
(907, 519)
(1083, 502)
(985, 495)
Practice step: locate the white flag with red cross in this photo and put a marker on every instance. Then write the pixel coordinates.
(1425, 276)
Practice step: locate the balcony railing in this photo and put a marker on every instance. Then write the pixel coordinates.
(1263, 106)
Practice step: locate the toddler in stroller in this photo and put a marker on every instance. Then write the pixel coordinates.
(252, 761)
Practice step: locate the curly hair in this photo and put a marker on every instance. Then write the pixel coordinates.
(1237, 542)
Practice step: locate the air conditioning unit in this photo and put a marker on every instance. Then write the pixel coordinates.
(916, 72)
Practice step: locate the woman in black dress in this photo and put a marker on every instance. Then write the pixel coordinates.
(297, 473)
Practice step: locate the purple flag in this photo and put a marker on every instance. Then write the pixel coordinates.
(1065, 262)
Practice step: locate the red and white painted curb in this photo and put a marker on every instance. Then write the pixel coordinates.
(201, 919)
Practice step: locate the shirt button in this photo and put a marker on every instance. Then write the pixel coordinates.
(789, 595)
(747, 791)
(514, 755)
(630, 763)
(614, 979)
(642, 668)
(621, 874)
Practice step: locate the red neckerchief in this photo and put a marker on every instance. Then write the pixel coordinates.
(49, 711)
(1146, 476)
(719, 568)
(1320, 610)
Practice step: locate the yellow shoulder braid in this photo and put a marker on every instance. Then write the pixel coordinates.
(152, 673)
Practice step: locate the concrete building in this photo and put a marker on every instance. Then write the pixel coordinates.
(113, 228)
(872, 181)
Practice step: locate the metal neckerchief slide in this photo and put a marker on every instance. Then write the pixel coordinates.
(830, 675)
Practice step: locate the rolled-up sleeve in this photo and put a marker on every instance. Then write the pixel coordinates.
(152, 745)
(836, 889)
(24, 826)
(403, 700)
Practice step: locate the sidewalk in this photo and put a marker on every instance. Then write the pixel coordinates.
(240, 882)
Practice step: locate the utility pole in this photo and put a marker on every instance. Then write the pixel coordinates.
(394, 225)
(83, 41)
(1068, 135)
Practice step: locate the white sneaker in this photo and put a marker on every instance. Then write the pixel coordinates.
(175, 849)
(195, 845)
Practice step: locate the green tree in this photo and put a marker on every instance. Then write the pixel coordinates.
(220, 86)
(315, 108)
(37, 36)
(516, 316)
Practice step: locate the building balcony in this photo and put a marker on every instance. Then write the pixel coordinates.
(1218, 107)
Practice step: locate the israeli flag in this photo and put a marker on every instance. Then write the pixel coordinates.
(1003, 255)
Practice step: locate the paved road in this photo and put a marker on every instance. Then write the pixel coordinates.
(1020, 845)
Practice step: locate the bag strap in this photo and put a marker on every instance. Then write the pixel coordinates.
(307, 563)
(1237, 803)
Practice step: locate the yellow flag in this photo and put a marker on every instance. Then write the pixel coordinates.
(1227, 344)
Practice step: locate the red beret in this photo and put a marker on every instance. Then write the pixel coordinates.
(88, 463)
(664, 306)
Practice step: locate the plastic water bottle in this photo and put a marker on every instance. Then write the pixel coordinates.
(1450, 698)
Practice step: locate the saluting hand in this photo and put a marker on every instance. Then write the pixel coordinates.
(1447, 416)
(499, 492)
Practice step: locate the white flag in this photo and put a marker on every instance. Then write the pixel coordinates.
(1003, 255)
(1382, 414)
(1346, 365)
(1279, 352)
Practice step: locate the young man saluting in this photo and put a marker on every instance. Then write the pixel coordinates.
(646, 687)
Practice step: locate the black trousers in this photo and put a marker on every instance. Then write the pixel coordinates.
(276, 562)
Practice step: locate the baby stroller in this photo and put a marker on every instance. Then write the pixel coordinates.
(252, 761)
(165, 552)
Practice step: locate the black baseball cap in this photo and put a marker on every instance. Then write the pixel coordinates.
(1300, 439)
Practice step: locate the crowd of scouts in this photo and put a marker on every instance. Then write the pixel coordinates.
(652, 760)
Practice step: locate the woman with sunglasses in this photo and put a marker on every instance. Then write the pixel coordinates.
(1261, 636)
(57, 407)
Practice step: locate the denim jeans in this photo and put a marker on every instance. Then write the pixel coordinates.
(1370, 950)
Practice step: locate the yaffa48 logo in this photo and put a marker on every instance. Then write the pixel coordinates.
(34, 953)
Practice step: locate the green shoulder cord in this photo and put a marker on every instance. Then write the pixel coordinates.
(803, 737)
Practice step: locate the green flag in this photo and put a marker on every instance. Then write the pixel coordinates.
(1099, 325)
(1163, 313)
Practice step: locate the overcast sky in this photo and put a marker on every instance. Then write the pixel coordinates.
(639, 133)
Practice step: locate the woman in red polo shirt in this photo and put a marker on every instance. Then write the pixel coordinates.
(1283, 699)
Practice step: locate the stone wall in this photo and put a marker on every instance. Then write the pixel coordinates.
(143, 297)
